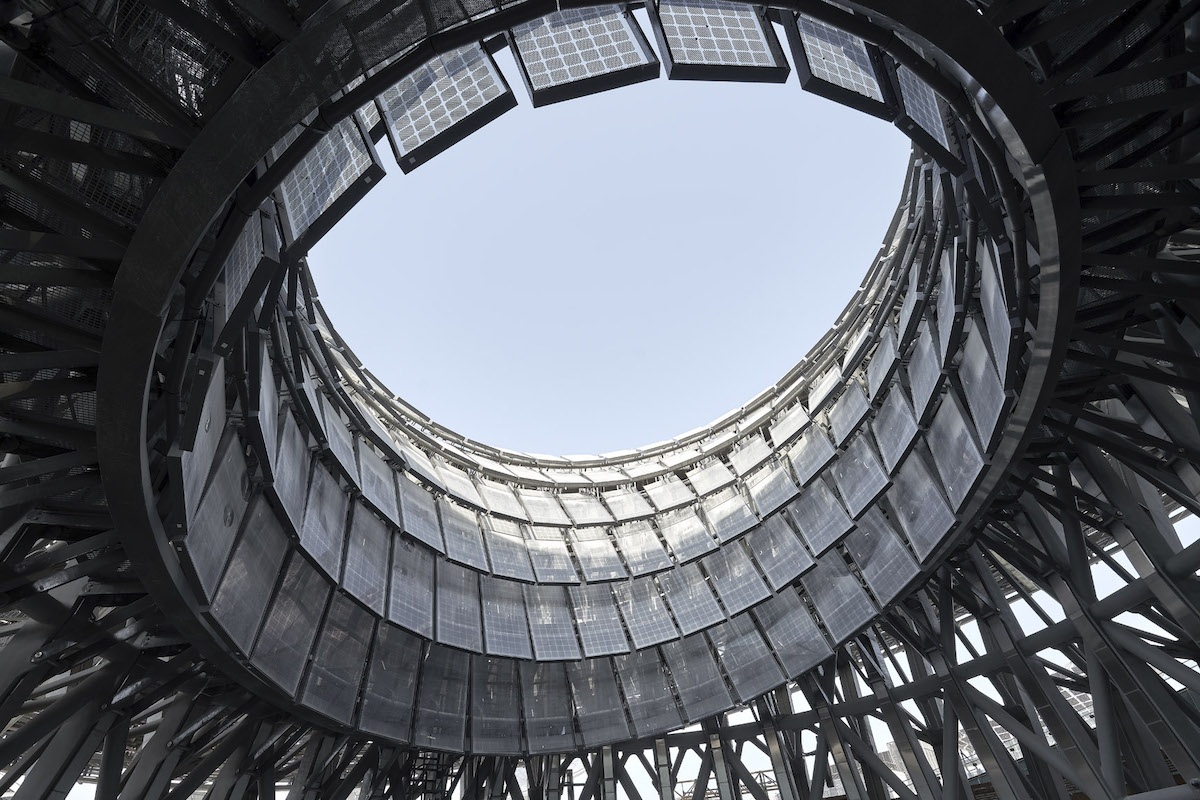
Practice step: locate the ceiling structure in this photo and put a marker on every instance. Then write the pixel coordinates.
(237, 564)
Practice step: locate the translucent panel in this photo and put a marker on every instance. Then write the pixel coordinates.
(339, 159)
(728, 514)
(771, 487)
(882, 558)
(495, 706)
(392, 672)
(464, 539)
(848, 411)
(716, 33)
(585, 509)
(505, 628)
(669, 492)
(956, 454)
(792, 633)
(196, 464)
(508, 553)
(840, 600)
(324, 529)
(645, 613)
(642, 550)
(894, 427)
(923, 370)
(810, 454)
(984, 393)
(338, 661)
(501, 499)
(778, 552)
(268, 405)
(945, 302)
(991, 298)
(416, 461)
(599, 560)
(822, 386)
(250, 577)
(547, 696)
(921, 105)
(819, 517)
(709, 477)
(701, 687)
(215, 525)
(627, 504)
(366, 558)
(879, 369)
(377, 482)
(687, 593)
(543, 507)
(551, 561)
(746, 658)
(648, 696)
(458, 607)
(921, 508)
(281, 651)
(750, 452)
(788, 424)
(550, 623)
(839, 58)
(420, 513)
(858, 474)
(686, 534)
(735, 578)
(597, 704)
(599, 625)
(338, 437)
(459, 484)
(291, 470)
(442, 704)
(411, 603)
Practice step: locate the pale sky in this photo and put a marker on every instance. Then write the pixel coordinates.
(614, 270)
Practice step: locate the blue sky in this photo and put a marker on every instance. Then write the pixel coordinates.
(615, 270)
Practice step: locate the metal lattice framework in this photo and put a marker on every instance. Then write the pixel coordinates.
(1005, 410)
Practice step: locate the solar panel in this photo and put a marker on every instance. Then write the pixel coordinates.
(981, 385)
(627, 504)
(597, 703)
(501, 499)
(411, 603)
(924, 372)
(746, 658)
(842, 603)
(717, 40)
(848, 411)
(728, 514)
(551, 560)
(419, 513)
(792, 633)
(392, 672)
(701, 687)
(686, 534)
(599, 626)
(338, 660)
(442, 703)
(749, 453)
(281, 651)
(778, 552)
(921, 105)
(838, 65)
(366, 558)
(642, 550)
(669, 492)
(505, 629)
(819, 517)
(810, 453)
(458, 607)
(920, 506)
(956, 454)
(250, 577)
(771, 487)
(324, 528)
(459, 484)
(291, 470)
(338, 436)
(646, 615)
(995, 308)
(599, 560)
(579, 51)
(495, 706)
(268, 407)
(508, 553)
(543, 507)
(710, 477)
(858, 475)
(894, 426)
(212, 532)
(464, 539)
(449, 97)
(585, 509)
(648, 695)
(690, 598)
(735, 578)
(377, 482)
(883, 361)
(788, 423)
(547, 696)
(550, 624)
(882, 558)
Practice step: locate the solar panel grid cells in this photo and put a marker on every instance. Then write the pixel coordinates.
(550, 624)
(508, 554)
(444, 100)
(464, 540)
(745, 656)
(599, 625)
(922, 120)
(735, 578)
(575, 52)
(692, 601)
(411, 603)
(505, 628)
(842, 67)
(645, 613)
(717, 40)
(792, 633)
(366, 558)
(281, 651)
(458, 609)
(841, 601)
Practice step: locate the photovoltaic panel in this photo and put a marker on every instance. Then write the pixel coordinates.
(842, 603)
(281, 651)
(442, 703)
(543, 507)
(882, 559)
(788, 424)
(848, 411)
(993, 303)
(792, 632)
(599, 624)
(642, 550)
(212, 531)
(411, 603)
(648, 696)
(597, 704)
(838, 65)
(690, 598)
(920, 506)
(377, 482)
(728, 514)
(626, 504)
(669, 492)
(459, 484)
(645, 613)
(501, 499)
(585, 509)
(717, 40)
(819, 517)
(508, 553)
(419, 513)
(495, 706)
(735, 578)
(249, 579)
(701, 687)
(388, 693)
(458, 607)
(883, 361)
(811, 453)
(324, 528)
(547, 697)
(291, 470)
(599, 560)
(956, 454)
(894, 426)
(551, 560)
(464, 539)
(924, 370)
(778, 552)
(338, 438)
(921, 105)
(506, 631)
(745, 656)
(686, 534)
(550, 624)
(338, 660)
(858, 474)
(366, 558)
(442, 101)
(771, 487)
(749, 454)
(981, 385)
(709, 477)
